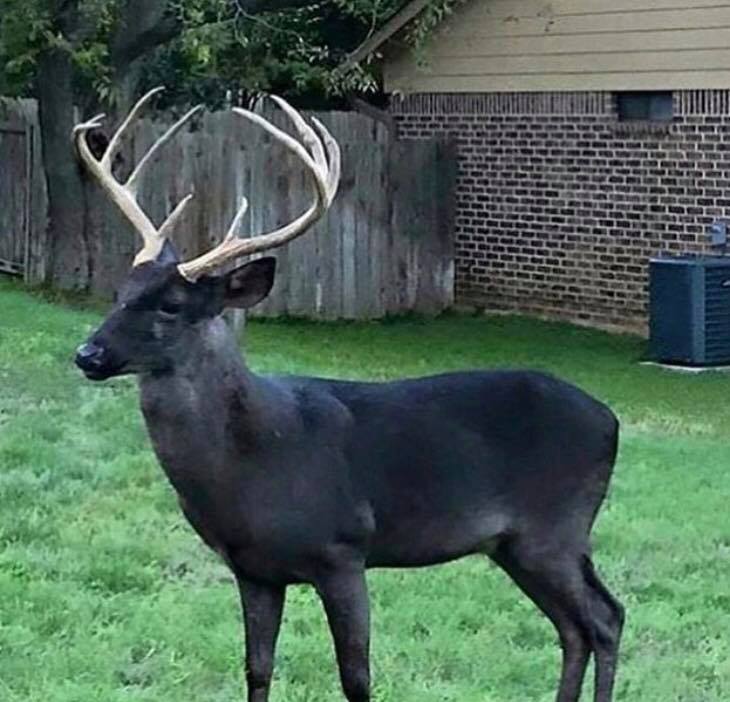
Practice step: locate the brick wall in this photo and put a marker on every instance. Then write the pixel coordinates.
(559, 205)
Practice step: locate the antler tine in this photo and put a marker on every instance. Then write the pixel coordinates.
(334, 156)
(287, 140)
(315, 162)
(235, 225)
(171, 222)
(93, 123)
(133, 180)
(116, 140)
(321, 157)
(308, 135)
(117, 193)
(124, 195)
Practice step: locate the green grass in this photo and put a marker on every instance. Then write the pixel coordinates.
(106, 594)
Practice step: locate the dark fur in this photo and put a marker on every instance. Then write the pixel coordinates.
(307, 480)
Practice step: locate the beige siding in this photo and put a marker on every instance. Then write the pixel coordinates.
(548, 45)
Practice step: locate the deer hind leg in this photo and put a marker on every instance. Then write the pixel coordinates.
(555, 582)
(608, 619)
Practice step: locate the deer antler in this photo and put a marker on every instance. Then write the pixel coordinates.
(124, 195)
(319, 153)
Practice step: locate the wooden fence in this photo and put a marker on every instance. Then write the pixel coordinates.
(23, 200)
(385, 247)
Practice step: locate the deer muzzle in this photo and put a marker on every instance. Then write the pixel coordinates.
(93, 360)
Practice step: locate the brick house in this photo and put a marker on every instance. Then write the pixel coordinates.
(592, 135)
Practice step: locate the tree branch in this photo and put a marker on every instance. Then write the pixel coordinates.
(146, 24)
(143, 26)
(254, 7)
(66, 17)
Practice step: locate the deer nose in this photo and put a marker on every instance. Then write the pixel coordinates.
(89, 356)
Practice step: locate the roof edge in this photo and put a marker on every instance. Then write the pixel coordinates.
(387, 31)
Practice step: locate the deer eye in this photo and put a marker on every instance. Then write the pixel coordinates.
(169, 307)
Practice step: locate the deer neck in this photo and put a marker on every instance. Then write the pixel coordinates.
(209, 414)
(208, 358)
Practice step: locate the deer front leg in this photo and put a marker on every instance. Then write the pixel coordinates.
(262, 609)
(345, 598)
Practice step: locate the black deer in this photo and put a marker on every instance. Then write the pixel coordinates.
(308, 480)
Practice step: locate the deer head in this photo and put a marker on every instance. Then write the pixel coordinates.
(163, 298)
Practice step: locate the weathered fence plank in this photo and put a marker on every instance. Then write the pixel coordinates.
(385, 247)
(13, 205)
(23, 198)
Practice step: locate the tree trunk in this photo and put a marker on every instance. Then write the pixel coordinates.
(69, 261)
(74, 232)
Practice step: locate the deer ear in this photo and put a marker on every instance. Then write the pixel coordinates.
(249, 284)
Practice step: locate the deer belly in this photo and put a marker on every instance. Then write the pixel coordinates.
(420, 540)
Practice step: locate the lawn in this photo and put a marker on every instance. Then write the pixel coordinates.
(106, 594)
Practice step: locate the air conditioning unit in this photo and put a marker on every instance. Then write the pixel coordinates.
(689, 310)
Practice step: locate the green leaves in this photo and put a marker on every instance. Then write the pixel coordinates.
(427, 22)
(24, 30)
(209, 48)
(30, 27)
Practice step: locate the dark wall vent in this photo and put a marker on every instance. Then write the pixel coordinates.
(689, 315)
